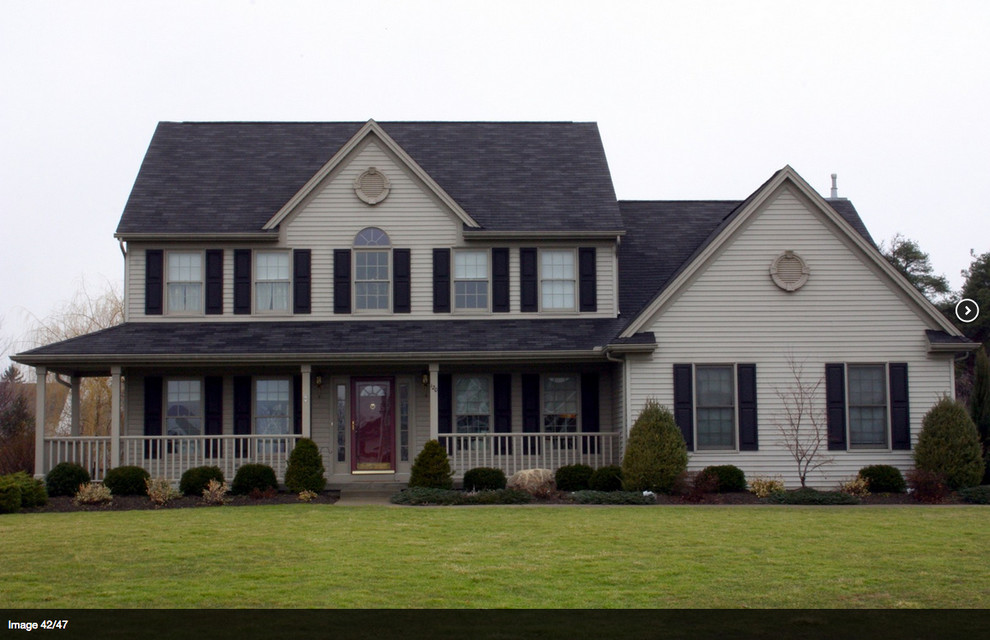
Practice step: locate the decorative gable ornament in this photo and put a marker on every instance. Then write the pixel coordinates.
(789, 271)
(372, 186)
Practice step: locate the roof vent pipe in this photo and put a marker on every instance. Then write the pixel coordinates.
(835, 188)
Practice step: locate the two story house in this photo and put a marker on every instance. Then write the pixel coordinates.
(373, 286)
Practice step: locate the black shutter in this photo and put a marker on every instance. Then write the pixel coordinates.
(401, 277)
(900, 417)
(587, 279)
(154, 281)
(441, 280)
(445, 409)
(531, 412)
(242, 414)
(835, 405)
(500, 280)
(213, 394)
(502, 392)
(746, 382)
(684, 402)
(153, 401)
(302, 281)
(297, 408)
(528, 280)
(341, 280)
(589, 412)
(214, 281)
(242, 281)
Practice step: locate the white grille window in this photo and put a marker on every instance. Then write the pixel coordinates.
(557, 284)
(471, 280)
(185, 282)
(272, 281)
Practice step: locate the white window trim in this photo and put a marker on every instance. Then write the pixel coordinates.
(848, 405)
(491, 402)
(202, 282)
(255, 280)
(202, 405)
(454, 280)
(576, 280)
(733, 367)
(579, 423)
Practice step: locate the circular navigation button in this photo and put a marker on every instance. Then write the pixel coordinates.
(967, 310)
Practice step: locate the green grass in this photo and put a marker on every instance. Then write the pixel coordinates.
(324, 556)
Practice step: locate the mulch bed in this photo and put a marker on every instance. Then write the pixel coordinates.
(130, 503)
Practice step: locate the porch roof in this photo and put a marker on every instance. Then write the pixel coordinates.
(289, 342)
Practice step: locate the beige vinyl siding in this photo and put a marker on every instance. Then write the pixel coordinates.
(731, 312)
(330, 218)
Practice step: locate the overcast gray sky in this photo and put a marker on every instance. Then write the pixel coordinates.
(694, 100)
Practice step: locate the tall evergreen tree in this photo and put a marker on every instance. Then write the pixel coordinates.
(908, 258)
(979, 406)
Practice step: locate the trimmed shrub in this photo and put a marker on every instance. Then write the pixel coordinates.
(195, 480)
(65, 479)
(33, 492)
(976, 495)
(612, 497)
(433, 496)
(809, 496)
(484, 479)
(927, 486)
(883, 478)
(10, 495)
(949, 445)
(765, 487)
(731, 478)
(93, 493)
(305, 470)
(431, 468)
(160, 491)
(655, 452)
(573, 477)
(606, 479)
(538, 483)
(253, 476)
(126, 481)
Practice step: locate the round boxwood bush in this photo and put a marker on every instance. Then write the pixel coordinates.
(883, 478)
(431, 468)
(573, 477)
(949, 445)
(254, 476)
(731, 478)
(606, 479)
(305, 470)
(484, 479)
(655, 452)
(64, 479)
(127, 481)
(194, 481)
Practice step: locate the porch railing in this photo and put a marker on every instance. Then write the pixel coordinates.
(512, 452)
(169, 456)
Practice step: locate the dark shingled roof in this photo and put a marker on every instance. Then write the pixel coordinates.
(941, 337)
(232, 177)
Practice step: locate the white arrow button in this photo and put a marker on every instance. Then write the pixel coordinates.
(967, 310)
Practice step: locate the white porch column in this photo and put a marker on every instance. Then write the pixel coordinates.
(74, 405)
(434, 400)
(39, 422)
(307, 417)
(115, 417)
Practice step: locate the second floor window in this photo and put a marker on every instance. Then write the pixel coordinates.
(185, 282)
(272, 281)
(372, 275)
(557, 279)
(471, 280)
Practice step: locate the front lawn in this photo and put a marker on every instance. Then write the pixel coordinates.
(655, 557)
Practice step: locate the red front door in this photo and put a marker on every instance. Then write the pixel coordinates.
(373, 425)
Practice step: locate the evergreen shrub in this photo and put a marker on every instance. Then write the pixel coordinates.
(10, 495)
(33, 492)
(655, 452)
(484, 479)
(127, 481)
(809, 496)
(573, 477)
(949, 445)
(305, 470)
(976, 495)
(196, 479)
(65, 479)
(612, 497)
(431, 468)
(883, 478)
(253, 476)
(607, 478)
(731, 478)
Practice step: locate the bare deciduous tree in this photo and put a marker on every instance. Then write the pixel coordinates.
(802, 422)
